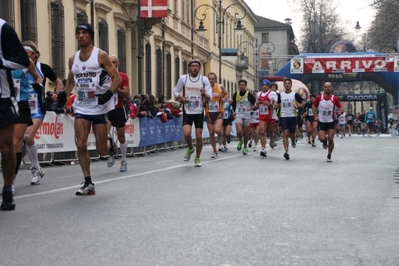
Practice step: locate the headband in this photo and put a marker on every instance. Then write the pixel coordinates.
(29, 49)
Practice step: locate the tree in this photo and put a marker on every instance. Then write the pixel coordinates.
(321, 25)
(383, 33)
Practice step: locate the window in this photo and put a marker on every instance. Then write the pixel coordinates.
(159, 72)
(58, 39)
(103, 35)
(168, 75)
(81, 17)
(7, 11)
(148, 72)
(122, 49)
(265, 37)
(185, 66)
(28, 21)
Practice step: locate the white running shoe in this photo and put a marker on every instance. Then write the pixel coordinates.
(215, 155)
(37, 175)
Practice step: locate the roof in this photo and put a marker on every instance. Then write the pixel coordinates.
(269, 23)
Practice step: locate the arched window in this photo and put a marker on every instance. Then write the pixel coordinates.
(81, 17)
(185, 67)
(28, 21)
(148, 72)
(58, 38)
(122, 49)
(103, 35)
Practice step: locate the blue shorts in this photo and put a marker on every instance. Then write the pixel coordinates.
(94, 119)
(342, 125)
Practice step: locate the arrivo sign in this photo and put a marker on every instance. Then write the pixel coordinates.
(348, 65)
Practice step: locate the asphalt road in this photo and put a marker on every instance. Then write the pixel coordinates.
(235, 210)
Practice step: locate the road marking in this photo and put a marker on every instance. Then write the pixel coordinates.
(121, 178)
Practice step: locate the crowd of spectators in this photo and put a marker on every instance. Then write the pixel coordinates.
(142, 105)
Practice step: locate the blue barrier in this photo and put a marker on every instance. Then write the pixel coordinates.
(153, 131)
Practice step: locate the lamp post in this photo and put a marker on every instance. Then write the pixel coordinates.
(220, 13)
(269, 49)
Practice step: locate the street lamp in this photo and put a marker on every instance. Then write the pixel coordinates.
(269, 50)
(220, 13)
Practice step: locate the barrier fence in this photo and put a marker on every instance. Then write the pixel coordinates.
(55, 139)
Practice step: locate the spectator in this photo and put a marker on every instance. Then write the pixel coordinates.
(134, 106)
(143, 109)
(152, 107)
(172, 107)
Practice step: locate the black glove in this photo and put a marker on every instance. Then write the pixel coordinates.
(37, 87)
(105, 97)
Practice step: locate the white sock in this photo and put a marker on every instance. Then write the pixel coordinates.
(123, 148)
(32, 153)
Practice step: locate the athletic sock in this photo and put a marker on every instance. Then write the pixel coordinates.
(32, 153)
(123, 148)
(88, 180)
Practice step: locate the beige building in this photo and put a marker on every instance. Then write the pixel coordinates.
(167, 44)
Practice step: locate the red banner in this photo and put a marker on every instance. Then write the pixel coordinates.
(348, 64)
(154, 8)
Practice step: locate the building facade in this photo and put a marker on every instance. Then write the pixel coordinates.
(166, 44)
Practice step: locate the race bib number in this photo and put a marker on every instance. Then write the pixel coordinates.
(17, 87)
(241, 109)
(264, 110)
(33, 103)
(310, 112)
(287, 104)
(225, 114)
(194, 103)
(326, 112)
(86, 96)
(214, 106)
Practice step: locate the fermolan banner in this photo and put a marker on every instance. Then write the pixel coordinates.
(349, 64)
(57, 134)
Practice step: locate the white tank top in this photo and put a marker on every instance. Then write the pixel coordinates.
(192, 92)
(287, 104)
(87, 77)
(326, 110)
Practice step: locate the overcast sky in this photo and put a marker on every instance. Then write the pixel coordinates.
(350, 11)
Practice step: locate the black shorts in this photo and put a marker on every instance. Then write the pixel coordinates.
(117, 117)
(24, 116)
(288, 123)
(310, 118)
(198, 120)
(350, 122)
(370, 125)
(212, 117)
(327, 126)
(8, 111)
(228, 121)
(94, 119)
(299, 121)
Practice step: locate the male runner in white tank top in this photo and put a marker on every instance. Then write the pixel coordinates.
(96, 80)
(326, 103)
(195, 88)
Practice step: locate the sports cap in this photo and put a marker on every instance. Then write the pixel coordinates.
(85, 27)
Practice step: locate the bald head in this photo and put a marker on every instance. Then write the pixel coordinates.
(115, 61)
(328, 88)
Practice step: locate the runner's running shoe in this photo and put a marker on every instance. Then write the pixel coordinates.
(250, 144)
(87, 189)
(329, 160)
(111, 160)
(325, 144)
(239, 145)
(293, 143)
(8, 201)
(244, 151)
(286, 156)
(187, 156)
(123, 166)
(225, 149)
(228, 140)
(214, 155)
(37, 175)
(197, 162)
(272, 144)
(263, 153)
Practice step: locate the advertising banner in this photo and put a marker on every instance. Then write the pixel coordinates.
(348, 65)
(57, 134)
